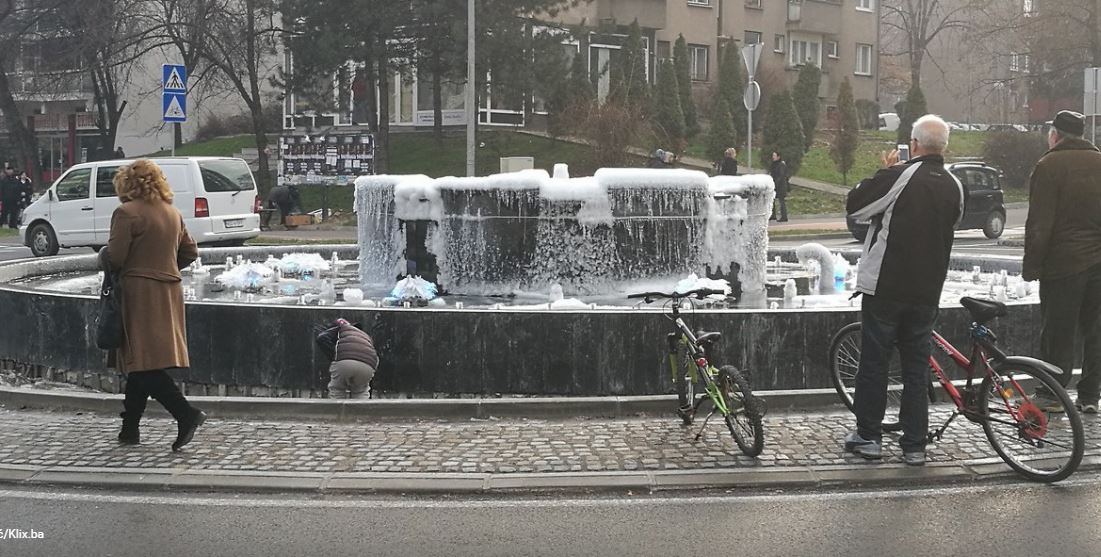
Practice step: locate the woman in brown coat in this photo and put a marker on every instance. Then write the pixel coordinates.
(147, 247)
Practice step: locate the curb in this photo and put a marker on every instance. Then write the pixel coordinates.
(856, 474)
(799, 237)
(381, 409)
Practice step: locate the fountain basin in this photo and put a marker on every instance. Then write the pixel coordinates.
(239, 348)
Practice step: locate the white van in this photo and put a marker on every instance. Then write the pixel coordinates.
(216, 196)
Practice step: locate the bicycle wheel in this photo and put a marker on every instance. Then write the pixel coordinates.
(844, 361)
(746, 411)
(1041, 446)
(686, 391)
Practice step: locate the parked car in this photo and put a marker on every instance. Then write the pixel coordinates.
(888, 122)
(217, 197)
(983, 207)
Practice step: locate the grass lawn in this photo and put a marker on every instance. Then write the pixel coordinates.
(7, 232)
(803, 201)
(1015, 195)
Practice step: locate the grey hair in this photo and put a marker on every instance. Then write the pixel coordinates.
(1061, 135)
(931, 132)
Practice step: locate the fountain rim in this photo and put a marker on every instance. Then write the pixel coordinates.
(275, 250)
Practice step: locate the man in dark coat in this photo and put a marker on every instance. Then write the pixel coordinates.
(11, 196)
(287, 199)
(1063, 252)
(779, 172)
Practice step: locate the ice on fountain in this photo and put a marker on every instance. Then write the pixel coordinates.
(520, 230)
(246, 276)
(819, 253)
(413, 287)
(556, 293)
(353, 296)
(302, 263)
(694, 282)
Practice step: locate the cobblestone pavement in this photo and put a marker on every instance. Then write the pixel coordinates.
(491, 446)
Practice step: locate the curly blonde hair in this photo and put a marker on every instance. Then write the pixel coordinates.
(142, 179)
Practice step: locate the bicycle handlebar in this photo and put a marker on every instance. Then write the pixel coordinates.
(700, 293)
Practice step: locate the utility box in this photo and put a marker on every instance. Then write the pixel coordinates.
(516, 164)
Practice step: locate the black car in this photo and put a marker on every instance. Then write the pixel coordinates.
(984, 207)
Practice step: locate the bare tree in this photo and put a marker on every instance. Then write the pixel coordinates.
(110, 37)
(181, 25)
(917, 23)
(16, 18)
(241, 40)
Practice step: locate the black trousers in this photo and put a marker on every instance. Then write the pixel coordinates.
(141, 385)
(9, 215)
(783, 206)
(1071, 311)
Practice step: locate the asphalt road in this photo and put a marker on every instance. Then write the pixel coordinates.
(1003, 520)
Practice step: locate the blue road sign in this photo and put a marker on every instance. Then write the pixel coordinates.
(174, 78)
(174, 107)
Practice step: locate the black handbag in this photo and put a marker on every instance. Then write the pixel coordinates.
(109, 332)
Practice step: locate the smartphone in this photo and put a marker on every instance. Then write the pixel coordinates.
(903, 153)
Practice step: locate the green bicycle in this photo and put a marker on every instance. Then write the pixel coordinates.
(726, 387)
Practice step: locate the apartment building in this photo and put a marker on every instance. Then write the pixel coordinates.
(839, 36)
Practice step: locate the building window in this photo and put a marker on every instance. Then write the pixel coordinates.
(663, 51)
(865, 5)
(753, 4)
(1027, 8)
(778, 44)
(863, 59)
(697, 54)
(805, 50)
(831, 49)
(1014, 62)
(752, 37)
(706, 3)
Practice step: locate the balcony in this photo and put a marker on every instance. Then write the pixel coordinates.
(814, 16)
(649, 13)
(58, 122)
(51, 86)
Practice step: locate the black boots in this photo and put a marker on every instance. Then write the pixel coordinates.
(130, 435)
(157, 384)
(186, 428)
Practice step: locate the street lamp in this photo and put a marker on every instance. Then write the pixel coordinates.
(471, 98)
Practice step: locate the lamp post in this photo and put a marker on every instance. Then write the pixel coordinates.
(471, 98)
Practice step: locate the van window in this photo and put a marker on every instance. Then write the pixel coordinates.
(105, 185)
(74, 185)
(226, 175)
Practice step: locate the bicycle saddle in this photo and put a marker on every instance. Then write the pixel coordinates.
(983, 310)
(704, 338)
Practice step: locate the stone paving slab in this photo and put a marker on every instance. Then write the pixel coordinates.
(798, 442)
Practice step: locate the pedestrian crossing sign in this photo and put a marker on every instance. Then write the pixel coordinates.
(174, 78)
(174, 107)
(174, 92)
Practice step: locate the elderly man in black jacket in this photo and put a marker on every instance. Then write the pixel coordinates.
(913, 209)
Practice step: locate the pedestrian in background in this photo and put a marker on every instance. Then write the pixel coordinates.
(26, 193)
(1063, 252)
(913, 209)
(354, 362)
(147, 247)
(11, 194)
(729, 165)
(778, 169)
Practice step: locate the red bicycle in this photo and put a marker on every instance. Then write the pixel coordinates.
(1040, 445)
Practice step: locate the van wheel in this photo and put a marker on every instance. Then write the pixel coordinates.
(995, 225)
(43, 240)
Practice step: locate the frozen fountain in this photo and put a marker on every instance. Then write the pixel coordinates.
(510, 284)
